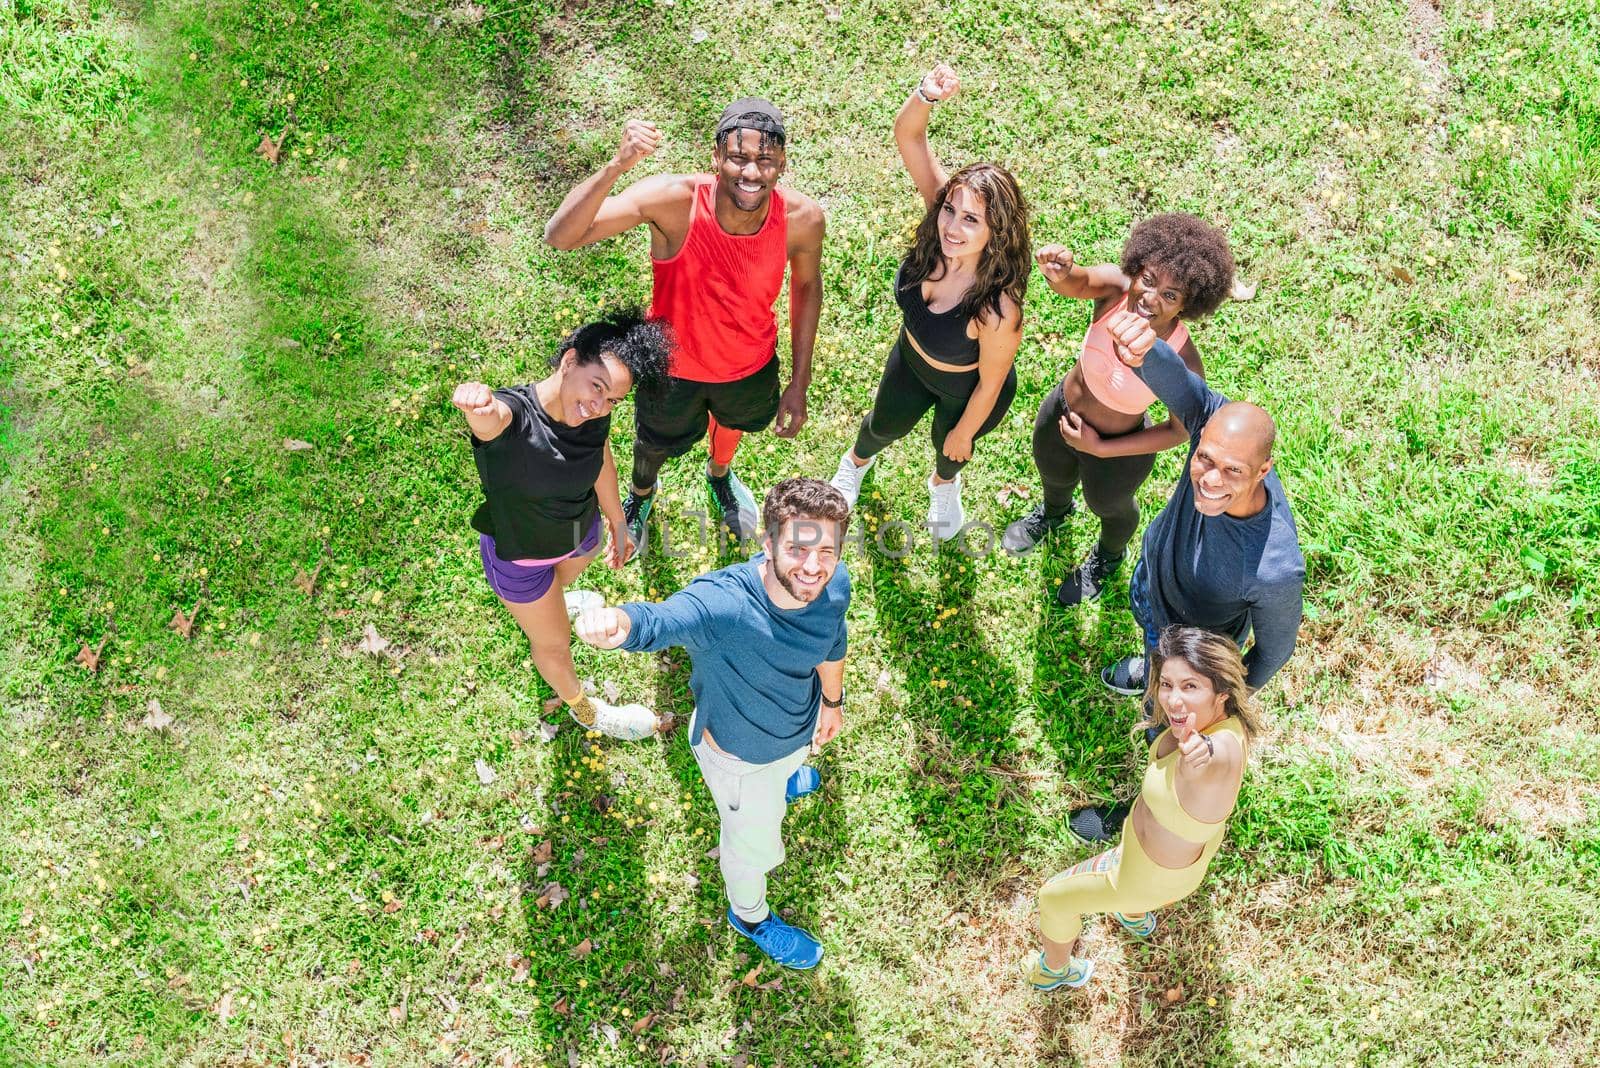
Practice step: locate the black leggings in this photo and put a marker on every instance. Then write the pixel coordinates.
(910, 387)
(1109, 483)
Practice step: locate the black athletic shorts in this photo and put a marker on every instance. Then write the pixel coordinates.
(673, 417)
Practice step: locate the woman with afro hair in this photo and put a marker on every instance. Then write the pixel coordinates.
(1094, 428)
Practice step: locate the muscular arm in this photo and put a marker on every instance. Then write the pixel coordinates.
(589, 214)
(807, 229)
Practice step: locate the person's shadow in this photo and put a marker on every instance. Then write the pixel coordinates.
(964, 786)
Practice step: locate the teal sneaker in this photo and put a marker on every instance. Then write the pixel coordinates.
(1042, 978)
(786, 944)
(1143, 927)
(636, 511)
(733, 505)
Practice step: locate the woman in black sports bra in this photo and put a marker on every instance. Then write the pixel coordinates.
(960, 291)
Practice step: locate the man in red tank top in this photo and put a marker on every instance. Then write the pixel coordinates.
(719, 244)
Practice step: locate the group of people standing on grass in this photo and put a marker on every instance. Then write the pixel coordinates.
(1220, 566)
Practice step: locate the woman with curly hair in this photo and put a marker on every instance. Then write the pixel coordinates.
(543, 455)
(1093, 428)
(960, 291)
(1199, 700)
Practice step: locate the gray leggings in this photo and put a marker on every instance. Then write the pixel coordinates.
(1109, 483)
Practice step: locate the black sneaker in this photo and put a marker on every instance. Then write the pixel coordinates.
(1099, 824)
(1126, 676)
(1089, 581)
(1021, 537)
(636, 511)
(734, 505)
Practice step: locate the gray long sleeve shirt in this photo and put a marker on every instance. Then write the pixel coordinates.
(1229, 575)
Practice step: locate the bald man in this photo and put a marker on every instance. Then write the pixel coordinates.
(1223, 554)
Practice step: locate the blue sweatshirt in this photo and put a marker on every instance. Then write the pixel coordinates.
(754, 665)
(1229, 575)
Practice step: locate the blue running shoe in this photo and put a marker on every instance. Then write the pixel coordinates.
(805, 781)
(1143, 927)
(1038, 976)
(786, 944)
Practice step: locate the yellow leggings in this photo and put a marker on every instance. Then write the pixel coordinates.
(1123, 880)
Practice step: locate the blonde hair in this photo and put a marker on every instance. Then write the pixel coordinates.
(1210, 655)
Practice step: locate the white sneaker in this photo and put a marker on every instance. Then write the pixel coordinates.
(581, 601)
(630, 723)
(946, 517)
(847, 480)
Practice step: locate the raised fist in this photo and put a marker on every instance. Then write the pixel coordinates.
(1056, 262)
(1131, 335)
(474, 398)
(940, 83)
(639, 139)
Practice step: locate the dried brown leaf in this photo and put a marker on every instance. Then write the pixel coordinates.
(371, 641)
(268, 149)
(541, 852)
(90, 658)
(749, 979)
(296, 445)
(582, 949)
(394, 906)
(643, 1023)
(182, 625)
(562, 1007)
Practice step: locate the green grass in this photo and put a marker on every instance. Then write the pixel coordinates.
(306, 869)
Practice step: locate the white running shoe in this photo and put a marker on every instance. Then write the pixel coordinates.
(946, 517)
(630, 723)
(847, 480)
(581, 601)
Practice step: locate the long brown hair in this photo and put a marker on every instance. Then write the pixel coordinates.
(1004, 264)
(1211, 655)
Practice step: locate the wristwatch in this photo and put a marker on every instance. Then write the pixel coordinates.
(924, 97)
(834, 704)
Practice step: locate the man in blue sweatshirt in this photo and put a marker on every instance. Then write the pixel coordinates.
(766, 641)
(1224, 553)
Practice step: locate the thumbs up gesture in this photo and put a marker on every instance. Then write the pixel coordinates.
(1131, 335)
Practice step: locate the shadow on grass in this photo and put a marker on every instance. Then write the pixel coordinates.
(966, 793)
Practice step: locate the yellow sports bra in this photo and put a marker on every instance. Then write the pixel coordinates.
(1160, 791)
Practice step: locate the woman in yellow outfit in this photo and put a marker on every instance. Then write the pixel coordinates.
(1196, 768)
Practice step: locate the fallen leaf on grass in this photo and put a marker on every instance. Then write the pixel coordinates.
(773, 984)
(1401, 273)
(372, 642)
(582, 949)
(552, 895)
(677, 998)
(714, 853)
(306, 584)
(548, 731)
(224, 1008)
(486, 774)
(552, 704)
(90, 658)
(749, 979)
(268, 149)
(1242, 290)
(740, 1060)
(1173, 995)
(610, 1033)
(296, 445)
(182, 625)
(562, 1006)
(541, 852)
(643, 1023)
(394, 906)
(155, 718)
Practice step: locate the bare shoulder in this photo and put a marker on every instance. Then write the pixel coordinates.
(1009, 321)
(802, 212)
(664, 190)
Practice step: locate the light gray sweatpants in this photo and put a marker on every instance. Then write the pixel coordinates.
(750, 802)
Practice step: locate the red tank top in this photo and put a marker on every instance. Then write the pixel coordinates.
(717, 293)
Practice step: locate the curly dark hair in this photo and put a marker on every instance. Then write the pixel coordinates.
(639, 344)
(1006, 261)
(1190, 249)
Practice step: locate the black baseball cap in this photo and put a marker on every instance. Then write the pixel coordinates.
(752, 113)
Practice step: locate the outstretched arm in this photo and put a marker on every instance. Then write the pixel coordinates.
(487, 415)
(1185, 393)
(1071, 279)
(911, 130)
(590, 213)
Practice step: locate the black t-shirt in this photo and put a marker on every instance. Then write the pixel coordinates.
(538, 480)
